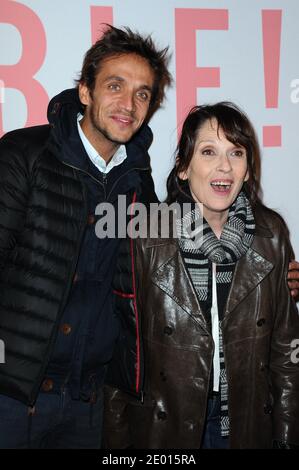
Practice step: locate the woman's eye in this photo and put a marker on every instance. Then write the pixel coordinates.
(207, 152)
(238, 153)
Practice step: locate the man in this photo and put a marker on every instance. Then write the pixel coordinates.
(56, 316)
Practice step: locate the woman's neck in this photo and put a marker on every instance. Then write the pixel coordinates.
(216, 220)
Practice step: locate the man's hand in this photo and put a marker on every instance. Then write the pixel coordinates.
(293, 278)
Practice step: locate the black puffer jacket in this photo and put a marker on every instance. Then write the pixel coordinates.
(43, 214)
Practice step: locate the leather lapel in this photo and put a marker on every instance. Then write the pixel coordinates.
(250, 270)
(173, 278)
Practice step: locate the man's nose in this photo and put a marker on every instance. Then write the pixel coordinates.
(128, 101)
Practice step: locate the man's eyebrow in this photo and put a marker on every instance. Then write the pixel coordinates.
(146, 87)
(121, 79)
(115, 77)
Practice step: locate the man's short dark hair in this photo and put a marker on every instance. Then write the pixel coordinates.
(116, 42)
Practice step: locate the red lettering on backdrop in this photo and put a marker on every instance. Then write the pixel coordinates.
(271, 20)
(21, 75)
(99, 15)
(189, 77)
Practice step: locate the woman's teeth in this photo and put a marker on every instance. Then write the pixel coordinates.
(221, 185)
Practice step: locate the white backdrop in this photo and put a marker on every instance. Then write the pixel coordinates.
(249, 47)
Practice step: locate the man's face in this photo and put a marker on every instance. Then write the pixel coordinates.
(119, 103)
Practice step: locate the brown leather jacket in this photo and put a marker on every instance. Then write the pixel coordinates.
(260, 322)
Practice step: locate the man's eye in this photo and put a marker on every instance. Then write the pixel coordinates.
(143, 95)
(114, 86)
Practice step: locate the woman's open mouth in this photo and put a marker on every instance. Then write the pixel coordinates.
(221, 186)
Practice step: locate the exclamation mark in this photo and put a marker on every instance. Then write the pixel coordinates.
(271, 44)
(99, 17)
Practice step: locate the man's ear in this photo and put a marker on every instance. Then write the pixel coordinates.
(84, 94)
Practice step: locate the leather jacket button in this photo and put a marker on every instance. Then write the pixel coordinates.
(261, 322)
(268, 409)
(65, 328)
(262, 367)
(162, 415)
(168, 330)
(47, 385)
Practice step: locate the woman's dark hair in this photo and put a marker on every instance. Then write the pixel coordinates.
(115, 42)
(236, 127)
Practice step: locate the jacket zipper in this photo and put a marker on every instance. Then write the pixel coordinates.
(104, 182)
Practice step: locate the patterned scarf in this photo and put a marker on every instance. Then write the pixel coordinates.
(236, 238)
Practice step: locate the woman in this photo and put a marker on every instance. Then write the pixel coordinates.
(212, 304)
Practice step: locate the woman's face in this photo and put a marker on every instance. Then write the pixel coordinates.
(217, 170)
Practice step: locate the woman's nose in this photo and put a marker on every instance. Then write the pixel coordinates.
(224, 163)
